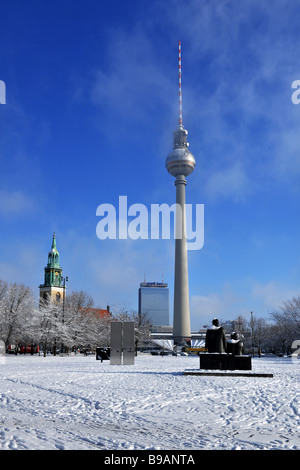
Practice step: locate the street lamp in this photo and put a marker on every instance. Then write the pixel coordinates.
(65, 279)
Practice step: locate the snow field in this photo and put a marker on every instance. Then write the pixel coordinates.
(80, 403)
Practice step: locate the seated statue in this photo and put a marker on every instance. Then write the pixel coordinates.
(215, 340)
(234, 345)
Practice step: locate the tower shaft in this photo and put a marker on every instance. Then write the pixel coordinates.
(181, 320)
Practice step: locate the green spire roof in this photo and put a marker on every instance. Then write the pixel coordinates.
(53, 255)
(53, 247)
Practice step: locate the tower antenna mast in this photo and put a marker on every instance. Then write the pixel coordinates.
(179, 85)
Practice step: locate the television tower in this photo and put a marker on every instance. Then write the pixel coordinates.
(180, 163)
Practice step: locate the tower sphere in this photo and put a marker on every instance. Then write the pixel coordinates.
(180, 160)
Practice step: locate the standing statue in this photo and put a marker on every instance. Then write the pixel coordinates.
(234, 345)
(215, 341)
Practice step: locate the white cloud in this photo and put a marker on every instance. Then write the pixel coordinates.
(225, 305)
(272, 294)
(133, 85)
(239, 299)
(231, 182)
(15, 202)
(205, 308)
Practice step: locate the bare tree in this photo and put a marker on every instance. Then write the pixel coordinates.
(287, 321)
(254, 332)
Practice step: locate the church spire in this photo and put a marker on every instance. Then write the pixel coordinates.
(52, 287)
(54, 241)
(53, 255)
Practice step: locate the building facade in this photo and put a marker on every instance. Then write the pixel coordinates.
(154, 301)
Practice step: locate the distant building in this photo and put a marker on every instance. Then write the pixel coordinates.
(162, 329)
(154, 301)
(97, 312)
(232, 325)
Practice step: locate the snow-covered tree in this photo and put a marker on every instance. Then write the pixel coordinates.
(83, 327)
(73, 321)
(16, 310)
(47, 325)
(287, 321)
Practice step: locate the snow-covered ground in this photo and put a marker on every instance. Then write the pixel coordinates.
(80, 403)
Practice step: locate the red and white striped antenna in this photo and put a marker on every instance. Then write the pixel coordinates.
(179, 83)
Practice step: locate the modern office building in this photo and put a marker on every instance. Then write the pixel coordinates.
(154, 301)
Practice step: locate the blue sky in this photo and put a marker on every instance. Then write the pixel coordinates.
(91, 105)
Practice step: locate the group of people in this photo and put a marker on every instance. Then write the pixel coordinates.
(216, 342)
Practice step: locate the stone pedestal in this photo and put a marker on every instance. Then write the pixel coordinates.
(223, 361)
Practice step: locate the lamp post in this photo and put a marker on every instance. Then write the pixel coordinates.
(65, 279)
(252, 333)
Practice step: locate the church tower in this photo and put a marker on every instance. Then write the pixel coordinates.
(52, 288)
